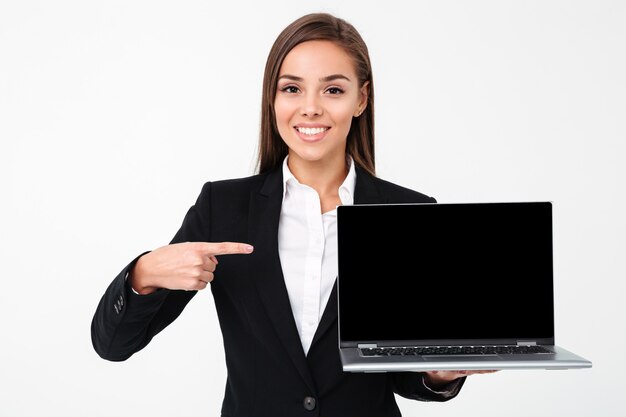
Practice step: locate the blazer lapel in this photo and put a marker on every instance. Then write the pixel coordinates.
(365, 192)
(264, 215)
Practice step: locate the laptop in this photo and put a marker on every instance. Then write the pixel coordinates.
(463, 286)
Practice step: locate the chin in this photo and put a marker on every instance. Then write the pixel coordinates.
(310, 156)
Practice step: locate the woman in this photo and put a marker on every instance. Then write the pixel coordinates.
(274, 293)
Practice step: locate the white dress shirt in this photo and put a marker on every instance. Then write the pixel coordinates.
(307, 246)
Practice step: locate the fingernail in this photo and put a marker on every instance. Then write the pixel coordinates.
(249, 248)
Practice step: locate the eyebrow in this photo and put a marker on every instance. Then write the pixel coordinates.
(326, 79)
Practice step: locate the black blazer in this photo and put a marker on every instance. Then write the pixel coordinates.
(268, 373)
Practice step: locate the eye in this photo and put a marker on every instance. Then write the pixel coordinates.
(291, 89)
(334, 90)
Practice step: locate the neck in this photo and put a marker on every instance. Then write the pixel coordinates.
(325, 176)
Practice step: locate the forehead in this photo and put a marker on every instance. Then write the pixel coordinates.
(318, 59)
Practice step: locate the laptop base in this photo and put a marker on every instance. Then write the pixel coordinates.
(352, 361)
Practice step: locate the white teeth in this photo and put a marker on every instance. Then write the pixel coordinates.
(311, 130)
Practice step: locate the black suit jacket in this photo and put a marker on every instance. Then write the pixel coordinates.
(268, 373)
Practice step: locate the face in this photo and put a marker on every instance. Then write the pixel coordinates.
(318, 94)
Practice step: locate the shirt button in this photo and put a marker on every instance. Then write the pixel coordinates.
(309, 403)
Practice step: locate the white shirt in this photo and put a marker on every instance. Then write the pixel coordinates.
(307, 246)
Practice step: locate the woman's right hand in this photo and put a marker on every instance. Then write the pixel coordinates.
(181, 266)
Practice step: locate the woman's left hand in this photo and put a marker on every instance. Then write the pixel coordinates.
(436, 379)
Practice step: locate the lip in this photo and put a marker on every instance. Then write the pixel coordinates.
(311, 138)
(311, 125)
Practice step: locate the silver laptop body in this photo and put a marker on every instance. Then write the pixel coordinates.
(465, 286)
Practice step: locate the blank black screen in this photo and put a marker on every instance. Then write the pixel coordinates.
(445, 271)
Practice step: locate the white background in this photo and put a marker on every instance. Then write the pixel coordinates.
(114, 113)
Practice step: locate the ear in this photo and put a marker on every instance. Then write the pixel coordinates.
(364, 95)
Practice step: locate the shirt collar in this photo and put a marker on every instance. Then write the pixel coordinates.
(346, 189)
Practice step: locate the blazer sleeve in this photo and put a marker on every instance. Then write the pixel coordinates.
(411, 385)
(125, 322)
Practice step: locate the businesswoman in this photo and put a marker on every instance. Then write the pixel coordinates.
(275, 292)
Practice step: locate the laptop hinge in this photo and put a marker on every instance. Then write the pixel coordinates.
(526, 343)
(367, 345)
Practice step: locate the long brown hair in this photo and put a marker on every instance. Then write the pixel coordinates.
(317, 26)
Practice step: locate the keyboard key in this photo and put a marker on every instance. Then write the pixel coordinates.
(453, 350)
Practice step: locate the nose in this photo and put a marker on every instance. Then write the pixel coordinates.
(311, 106)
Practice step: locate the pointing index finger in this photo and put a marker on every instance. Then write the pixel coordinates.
(226, 248)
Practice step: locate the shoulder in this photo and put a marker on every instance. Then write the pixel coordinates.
(388, 191)
(235, 190)
(398, 194)
(236, 185)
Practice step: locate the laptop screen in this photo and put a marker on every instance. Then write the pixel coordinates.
(410, 272)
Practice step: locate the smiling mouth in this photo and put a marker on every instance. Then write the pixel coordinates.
(311, 131)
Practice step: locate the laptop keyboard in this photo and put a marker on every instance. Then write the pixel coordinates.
(453, 350)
